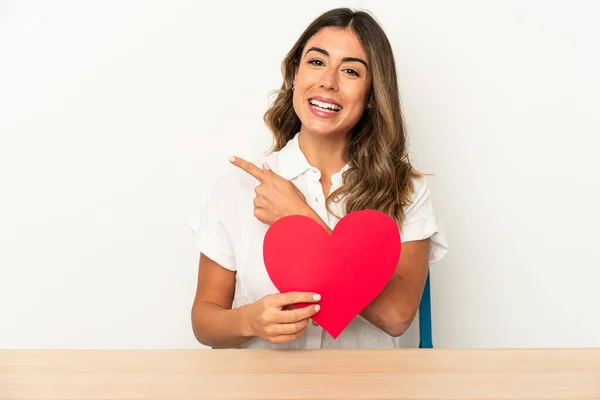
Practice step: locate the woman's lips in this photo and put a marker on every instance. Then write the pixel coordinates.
(326, 113)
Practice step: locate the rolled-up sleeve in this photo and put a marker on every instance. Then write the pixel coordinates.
(421, 222)
(211, 236)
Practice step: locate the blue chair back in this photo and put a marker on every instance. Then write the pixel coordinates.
(426, 339)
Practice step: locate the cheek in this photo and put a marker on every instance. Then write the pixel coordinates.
(358, 98)
(355, 90)
(297, 101)
(302, 75)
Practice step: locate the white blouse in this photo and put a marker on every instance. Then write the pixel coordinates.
(229, 233)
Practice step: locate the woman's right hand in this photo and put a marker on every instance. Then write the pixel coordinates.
(271, 318)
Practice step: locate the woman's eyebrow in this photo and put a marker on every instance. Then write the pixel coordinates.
(345, 59)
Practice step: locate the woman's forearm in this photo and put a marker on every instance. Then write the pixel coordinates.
(215, 326)
(390, 311)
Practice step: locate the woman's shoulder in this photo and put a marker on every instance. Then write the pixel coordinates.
(420, 186)
(420, 202)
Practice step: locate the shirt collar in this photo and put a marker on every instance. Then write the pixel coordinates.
(293, 162)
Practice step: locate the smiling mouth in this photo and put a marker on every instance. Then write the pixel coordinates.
(325, 107)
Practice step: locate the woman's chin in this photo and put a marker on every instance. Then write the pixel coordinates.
(321, 129)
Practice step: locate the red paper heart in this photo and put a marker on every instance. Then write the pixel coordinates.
(348, 269)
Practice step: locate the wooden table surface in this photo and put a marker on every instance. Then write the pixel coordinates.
(315, 374)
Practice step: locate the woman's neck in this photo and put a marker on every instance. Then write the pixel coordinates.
(324, 153)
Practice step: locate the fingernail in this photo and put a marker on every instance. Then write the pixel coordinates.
(317, 297)
(232, 158)
(266, 166)
(317, 308)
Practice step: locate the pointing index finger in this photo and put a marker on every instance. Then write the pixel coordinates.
(248, 167)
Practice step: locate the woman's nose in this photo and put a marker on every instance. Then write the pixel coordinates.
(329, 80)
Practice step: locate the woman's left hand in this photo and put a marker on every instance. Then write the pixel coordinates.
(276, 197)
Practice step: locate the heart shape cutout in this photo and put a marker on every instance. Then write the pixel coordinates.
(348, 268)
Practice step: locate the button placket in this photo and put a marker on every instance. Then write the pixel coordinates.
(316, 192)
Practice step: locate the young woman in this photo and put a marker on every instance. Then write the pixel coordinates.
(340, 146)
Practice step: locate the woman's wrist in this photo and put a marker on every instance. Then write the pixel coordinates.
(309, 212)
(245, 328)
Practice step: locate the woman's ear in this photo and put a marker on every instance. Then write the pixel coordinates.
(293, 82)
(371, 100)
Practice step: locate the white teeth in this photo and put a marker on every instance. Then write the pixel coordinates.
(329, 106)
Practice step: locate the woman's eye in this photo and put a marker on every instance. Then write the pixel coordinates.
(320, 63)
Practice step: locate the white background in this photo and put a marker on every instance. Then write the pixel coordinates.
(117, 116)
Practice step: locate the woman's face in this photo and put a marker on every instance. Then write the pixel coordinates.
(332, 82)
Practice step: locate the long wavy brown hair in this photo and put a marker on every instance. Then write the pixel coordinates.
(380, 173)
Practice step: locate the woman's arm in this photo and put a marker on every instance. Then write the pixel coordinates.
(396, 306)
(214, 323)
